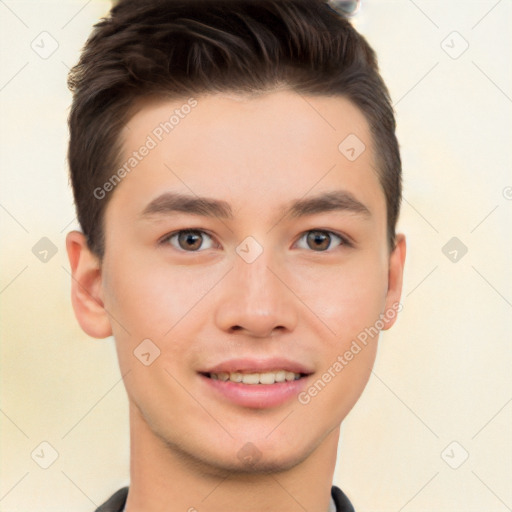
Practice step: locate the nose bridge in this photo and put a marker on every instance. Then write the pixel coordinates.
(253, 298)
(256, 278)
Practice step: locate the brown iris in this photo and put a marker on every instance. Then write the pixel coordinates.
(190, 240)
(319, 239)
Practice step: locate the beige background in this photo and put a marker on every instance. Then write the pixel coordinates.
(442, 373)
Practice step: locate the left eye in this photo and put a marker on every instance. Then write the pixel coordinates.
(320, 240)
(188, 240)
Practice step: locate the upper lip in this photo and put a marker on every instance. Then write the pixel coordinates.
(252, 365)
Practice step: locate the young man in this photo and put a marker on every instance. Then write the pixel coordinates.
(237, 179)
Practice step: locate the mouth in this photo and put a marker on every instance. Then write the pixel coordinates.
(256, 378)
(255, 384)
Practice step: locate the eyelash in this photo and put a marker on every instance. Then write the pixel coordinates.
(344, 241)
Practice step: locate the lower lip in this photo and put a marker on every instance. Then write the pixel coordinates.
(256, 396)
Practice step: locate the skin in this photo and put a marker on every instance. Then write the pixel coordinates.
(296, 300)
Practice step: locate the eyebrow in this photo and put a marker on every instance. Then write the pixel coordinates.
(172, 202)
(339, 200)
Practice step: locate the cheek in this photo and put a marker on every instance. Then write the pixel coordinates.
(155, 298)
(348, 301)
(166, 304)
(347, 297)
(152, 303)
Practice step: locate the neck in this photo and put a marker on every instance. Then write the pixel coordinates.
(164, 478)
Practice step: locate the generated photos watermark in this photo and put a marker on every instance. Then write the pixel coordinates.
(152, 140)
(342, 360)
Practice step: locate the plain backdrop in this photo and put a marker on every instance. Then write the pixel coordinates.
(433, 429)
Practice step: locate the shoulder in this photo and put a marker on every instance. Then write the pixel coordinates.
(115, 503)
(340, 499)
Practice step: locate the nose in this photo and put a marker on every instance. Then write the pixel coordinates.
(255, 300)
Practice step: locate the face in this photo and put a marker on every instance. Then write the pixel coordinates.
(245, 241)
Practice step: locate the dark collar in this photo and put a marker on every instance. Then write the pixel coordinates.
(117, 501)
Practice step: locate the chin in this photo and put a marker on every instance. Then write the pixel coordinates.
(220, 461)
(275, 463)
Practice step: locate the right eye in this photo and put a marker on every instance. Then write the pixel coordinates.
(187, 240)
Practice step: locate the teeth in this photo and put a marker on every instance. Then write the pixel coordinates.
(251, 378)
(235, 377)
(267, 378)
(256, 378)
(280, 376)
(289, 376)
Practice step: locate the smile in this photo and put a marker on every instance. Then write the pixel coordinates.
(256, 378)
(255, 390)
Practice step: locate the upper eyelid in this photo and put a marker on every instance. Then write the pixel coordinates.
(184, 230)
(165, 238)
(344, 238)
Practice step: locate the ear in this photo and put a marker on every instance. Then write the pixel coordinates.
(395, 281)
(86, 289)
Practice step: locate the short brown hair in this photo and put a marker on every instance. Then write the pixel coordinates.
(179, 48)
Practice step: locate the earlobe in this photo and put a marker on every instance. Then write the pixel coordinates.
(86, 289)
(395, 281)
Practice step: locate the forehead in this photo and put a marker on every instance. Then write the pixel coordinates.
(252, 151)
